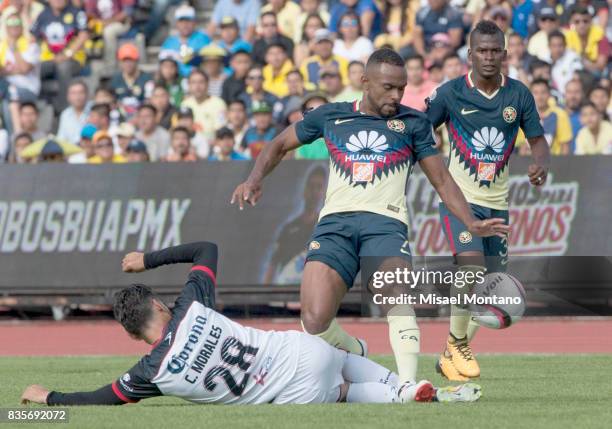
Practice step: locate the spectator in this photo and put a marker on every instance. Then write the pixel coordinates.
(74, 117)
(521, 13)
(224, 147)
(574, 97)
(246, 12)
(189, 41)
(276, 70)
(160, 99)
(230, 37)
(297, 89)
(103, 95)
(286, 12)
(235, 84)
(150, 133)
(269, 36)
(519, 61)
(354, 90)
(113, 17)
(86, 144)
(548, 22)
(435, 74)
(452, 67)
(323, 49)
(51, 152)
(180, 146)
(477, 10)
(136, 151)
(212, 65)
(125, 135)
(131, 86)
(588, 40)
(440, 48)
(61, 29)
(595, 136)
(351, 44)
(255, 92)
(155, 16)
(565, 62)
(438, 17)
(184, 118)
(28, 11)
(557, 127)
(168, 75)
(331, 82)
(28, 121)
(99, 116)
(104, 149)
(502, 18)
(20, 142)
(19, 70)
(399, 18)
(316, 149)
(370, 17)
(600, 97)
(262, 132)
(208, 111)
(305, 46)
(237, 122)
(418, 88)
(309, 8)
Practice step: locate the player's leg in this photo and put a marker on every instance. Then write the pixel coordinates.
(384, 247)
(330, 270)
(457, 361)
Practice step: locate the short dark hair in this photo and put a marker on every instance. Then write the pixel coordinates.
(31, 104)
(276, 45)
(556, 34)
(133, 308)
(297, 72)
(540, 82)
(450, 56)
(160, 85)
(384, 56)
(180, 130)
(78, 82)
(268, 13)
(487, 28)
(355, 63)
(224, 133)
(195, 71)
(23, 135)
(589, 104)
(106, 89)
(149, 106)
(538, 64)
(598, 88)
(579, 10)
(417, 57)
(103, 109)
(237, 101)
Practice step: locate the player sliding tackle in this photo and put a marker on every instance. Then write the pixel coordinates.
(373, 144)
(483, 112)
(199, 355)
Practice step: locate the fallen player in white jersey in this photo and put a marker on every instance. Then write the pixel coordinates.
(202, 356)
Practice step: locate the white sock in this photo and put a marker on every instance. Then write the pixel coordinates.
(358, 369)
(371, 393)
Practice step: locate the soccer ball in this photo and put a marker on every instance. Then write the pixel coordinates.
(499, 301)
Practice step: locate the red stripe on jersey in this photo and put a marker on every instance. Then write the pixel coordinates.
(205, 270)
(121, 395)
(449, 233)
(467, 80)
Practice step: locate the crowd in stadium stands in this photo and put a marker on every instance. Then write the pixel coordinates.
(232, 73)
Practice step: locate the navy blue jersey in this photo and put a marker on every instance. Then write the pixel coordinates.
(482, 130)
(370, 157)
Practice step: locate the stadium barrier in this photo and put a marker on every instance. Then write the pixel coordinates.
(64, 228)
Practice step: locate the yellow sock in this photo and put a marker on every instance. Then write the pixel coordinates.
(339, 338)
(460, 315)
(405, 338)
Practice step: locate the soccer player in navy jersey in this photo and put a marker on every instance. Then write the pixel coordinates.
(373, 144)
(483, 112)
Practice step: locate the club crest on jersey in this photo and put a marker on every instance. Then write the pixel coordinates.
(314, 245)
(465, 237)
(396, 125)
(509, 114)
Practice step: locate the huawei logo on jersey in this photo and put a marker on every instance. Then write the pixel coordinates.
(488, 137)
(365, 140)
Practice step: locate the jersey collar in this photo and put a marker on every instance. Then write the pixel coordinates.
(470, 84)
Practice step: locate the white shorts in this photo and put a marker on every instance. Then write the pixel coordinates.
(318, 376)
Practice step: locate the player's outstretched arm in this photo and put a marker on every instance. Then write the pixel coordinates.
(451, 195)
(40, 395)
(198, 253)
(538, 171)
(250, 191)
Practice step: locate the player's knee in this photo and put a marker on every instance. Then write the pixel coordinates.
(315, 322)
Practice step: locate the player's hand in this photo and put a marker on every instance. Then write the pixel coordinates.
(537, 174)
(246, 192)
(34, 393)
(489, 227)
(133, 262)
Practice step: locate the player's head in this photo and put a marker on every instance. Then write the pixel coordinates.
(141, 313)
(384, 81)
(487, 49)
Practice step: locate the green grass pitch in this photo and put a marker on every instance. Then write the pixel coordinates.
(520, 391)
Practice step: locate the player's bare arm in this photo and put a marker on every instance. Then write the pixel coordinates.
(538, 171)
(251, 190)
(451, 195)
